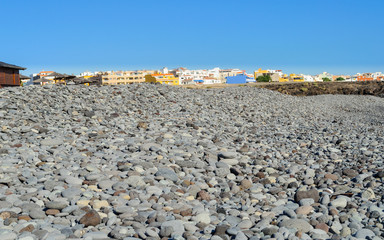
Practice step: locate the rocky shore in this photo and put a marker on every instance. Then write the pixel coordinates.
(373, 88)
(158, 162)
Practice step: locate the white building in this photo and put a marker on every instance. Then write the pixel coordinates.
(350, 79)
(210, 80)
(308, 78)
(86, 73)
(319, 78)
(377, 74)
(187, 76)
(165, 70)
(279, 72)
(203, 76)
(89, 74)
(214, 72)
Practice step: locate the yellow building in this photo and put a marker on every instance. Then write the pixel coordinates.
(296, 78)
(168, 78)
(260, 71)
(284, 78)
(124, 77)
(274, 74)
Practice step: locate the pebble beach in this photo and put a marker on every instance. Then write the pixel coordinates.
(159, 162)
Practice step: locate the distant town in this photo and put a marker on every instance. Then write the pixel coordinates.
(10, 76)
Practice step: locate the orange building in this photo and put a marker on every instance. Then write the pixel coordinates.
(364, 78)
(45, 73)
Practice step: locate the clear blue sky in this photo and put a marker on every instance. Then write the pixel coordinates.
(302, 36)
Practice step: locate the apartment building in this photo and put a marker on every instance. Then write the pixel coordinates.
(284, 78)
(45, 74)
(275, 74)
(296, 78)
(377, 76)
(162, 78)
(308, 78)
(321, 76)
(187, 76)
(88, 74)
(224, 73)
(125, 77)
(211, 80)
(240, 79)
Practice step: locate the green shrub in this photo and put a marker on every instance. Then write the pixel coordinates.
(264, 78)
(327, 80)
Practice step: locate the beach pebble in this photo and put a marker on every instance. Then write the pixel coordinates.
(148, 161)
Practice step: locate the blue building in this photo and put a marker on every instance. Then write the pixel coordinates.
(198, 81)
(239, 79)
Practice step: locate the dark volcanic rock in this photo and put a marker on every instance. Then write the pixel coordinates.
(313, 193)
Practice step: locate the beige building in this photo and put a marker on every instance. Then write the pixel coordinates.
(224, 73)
(125, 77)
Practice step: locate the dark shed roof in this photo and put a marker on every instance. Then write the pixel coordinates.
(59, 75)
(40, 80)
(56, 75)
(24, 77)
(6, 65)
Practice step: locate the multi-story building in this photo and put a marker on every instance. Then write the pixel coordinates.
(274, 74)
(214, 73)
(224, 73)
(377, 76)
(45, 74)
(43, 78)
(124, 77)
(162, 78)
(211, 80)
(308, 78)
(240, 79)
(284, 78)
(296, 78)
(350, 78)
(321, 76)
(187, 76)
(165, 70)
(88, 74)
(365, 77)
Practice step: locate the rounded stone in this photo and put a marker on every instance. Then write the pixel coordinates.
(298, 224)
(339, 202)
(246, 184)
(91, 218)
(97, 204)
(304, 210)
(56, 205)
